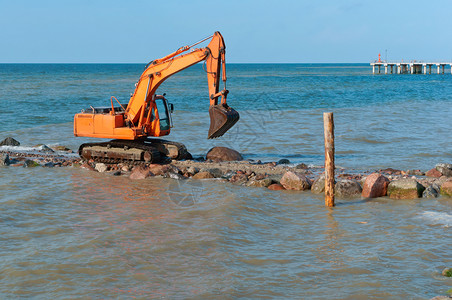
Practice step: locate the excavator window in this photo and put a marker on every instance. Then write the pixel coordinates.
(163, 113)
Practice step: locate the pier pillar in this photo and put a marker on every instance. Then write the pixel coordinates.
(373, 69)
(444, 67)
(412, 69)
(386, 69)
(437, 68)
(379, 69)
(398, 69)
(430, 69)
(425, 68)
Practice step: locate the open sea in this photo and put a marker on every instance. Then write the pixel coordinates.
(71, 233)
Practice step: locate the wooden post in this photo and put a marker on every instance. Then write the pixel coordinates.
(328, 126)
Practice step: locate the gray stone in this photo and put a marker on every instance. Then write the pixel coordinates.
(295, 181)
(260, 183)
(216, 172)
(318, 186)
(406, 188)
(4, 159)
(283, 161)
(9, 141)
(49, 164)
(174, 175)
(347, 188)
(45, 148)
(101, 167)
(192, 170)
(445, 169)
(30, 163)
(431, 191)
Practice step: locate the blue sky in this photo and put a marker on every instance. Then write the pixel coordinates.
(281, 31)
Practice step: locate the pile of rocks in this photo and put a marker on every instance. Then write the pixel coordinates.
(227, 165)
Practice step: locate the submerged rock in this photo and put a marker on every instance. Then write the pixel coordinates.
(432, 191)
(445, 169)
(140, 172)
(276, 187)
(447, 272)
(283, 161)
(4, 159)
(446, 188)
(260, 183)
(9, 141)
(375, 185)
(295, 181)
(218, 154)
(405, 188)
(347, 188)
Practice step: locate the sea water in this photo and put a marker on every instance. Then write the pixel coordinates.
(72, 233)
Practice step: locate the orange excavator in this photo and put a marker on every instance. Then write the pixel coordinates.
(148, 114)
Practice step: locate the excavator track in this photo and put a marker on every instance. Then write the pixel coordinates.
(133, 152)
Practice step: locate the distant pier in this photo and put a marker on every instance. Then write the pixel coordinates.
(410, 67)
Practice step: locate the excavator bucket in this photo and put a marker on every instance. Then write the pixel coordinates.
(222, 118)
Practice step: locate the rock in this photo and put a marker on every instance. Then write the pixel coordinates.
(116, 173)
(203, 175)
(375, 185)
(49, 164)
(433, 173)
(446, 188)
(140, 172)
(432, 191)
(9, 141)
(447, 272)
(101, 167)
(61, 148)
(159, 170)
(174, 175)
(301, 166)
(4, 159)
(192, 170)
(216, 172)
(347, 188)
(218, 154)
(276, 187)
(87, 166)
(294, 181)
(445, 169)
(239, 178)
(318, 186)
(283, 161)
(260, 183)
(260, 176)
(405, 188)
(28, 163)
(44, 148)
(125, 169)
(415, 172)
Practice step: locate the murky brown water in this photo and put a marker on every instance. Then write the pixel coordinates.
(81, 234)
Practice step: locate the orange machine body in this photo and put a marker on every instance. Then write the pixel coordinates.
(143, 115)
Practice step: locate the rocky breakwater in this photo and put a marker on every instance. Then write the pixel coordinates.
(227, 165)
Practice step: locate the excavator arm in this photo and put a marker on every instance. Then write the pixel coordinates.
(142, 101)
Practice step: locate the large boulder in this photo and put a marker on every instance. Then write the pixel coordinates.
(140, 172)
(445, 169)
(347, 188)
(375, 185)
(405, 188)
(295, 181)
(446, 188)
(433, 173)
(9, 141)
(223, 154)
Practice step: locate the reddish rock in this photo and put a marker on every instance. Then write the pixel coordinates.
(276, 187)
(295, 181)
(239, 178)
(157, 169)
(446, 188)
(87, 166)
(140, 172)
(433, 173)
(218, 154)
(203, 175)
(376, 185)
